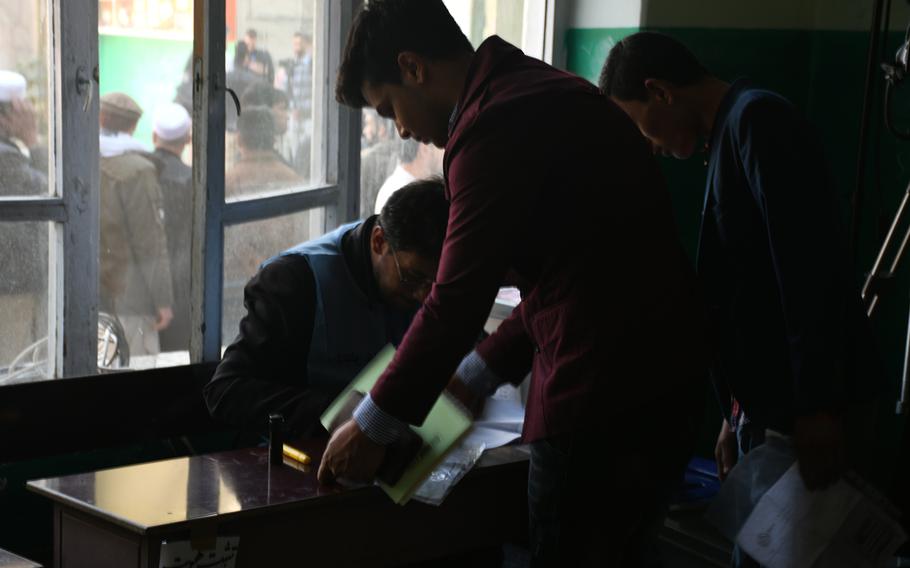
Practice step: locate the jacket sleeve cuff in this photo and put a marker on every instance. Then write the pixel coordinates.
(474, 373)
(377, 424)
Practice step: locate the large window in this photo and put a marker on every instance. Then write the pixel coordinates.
(148, 168)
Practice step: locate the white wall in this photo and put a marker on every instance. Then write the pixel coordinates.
(603, 13)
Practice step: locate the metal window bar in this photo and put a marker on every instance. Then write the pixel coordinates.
(74, 250)
(207, 240)
(33, 209)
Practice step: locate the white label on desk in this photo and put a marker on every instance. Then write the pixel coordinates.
(181, 554)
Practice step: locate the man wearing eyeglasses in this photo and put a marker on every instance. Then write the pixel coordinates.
(318, 312)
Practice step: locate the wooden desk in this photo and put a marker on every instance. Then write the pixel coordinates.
(118, 518)
(10, 560)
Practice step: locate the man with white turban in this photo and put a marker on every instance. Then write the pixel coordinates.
(171, 134)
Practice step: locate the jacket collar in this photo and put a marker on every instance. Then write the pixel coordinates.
(355, 247)
(723, 110)
(491, 53)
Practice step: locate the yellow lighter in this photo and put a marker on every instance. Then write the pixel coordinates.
(295, 454)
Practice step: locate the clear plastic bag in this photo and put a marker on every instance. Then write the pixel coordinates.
(755, 473)
(459, 461)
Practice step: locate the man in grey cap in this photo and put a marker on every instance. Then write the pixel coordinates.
(171, 134)
(23, 256)
(135, 271)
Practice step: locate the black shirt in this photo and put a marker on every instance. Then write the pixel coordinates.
(176, 181)
(265, 369)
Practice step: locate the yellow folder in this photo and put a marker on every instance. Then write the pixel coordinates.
(440, 432)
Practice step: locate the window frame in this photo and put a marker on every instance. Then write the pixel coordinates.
(337, 126)
(72, 203)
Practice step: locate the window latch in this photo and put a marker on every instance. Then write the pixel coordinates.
(84, 86)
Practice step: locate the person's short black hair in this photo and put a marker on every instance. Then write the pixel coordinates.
(304, 36)
(647, 55)
(385, 28)
(256, 127)
(415, 217)
(260, 93)
(241, 52)
(252, 33)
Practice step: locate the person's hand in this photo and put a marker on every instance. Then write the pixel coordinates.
(726, 451)
(819, 444)
(19, 122)
(165, 316)
(351, 455)
(464, 395)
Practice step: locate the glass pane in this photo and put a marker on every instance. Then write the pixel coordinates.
(24, 302)
(145, 57)
(270, 56)
(387, 163)
(24, 103)
(247, 245)
(479, 19)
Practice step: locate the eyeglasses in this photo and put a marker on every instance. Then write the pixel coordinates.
(408, 283)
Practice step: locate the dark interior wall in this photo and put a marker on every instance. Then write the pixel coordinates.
(813, 53)
(56, 428)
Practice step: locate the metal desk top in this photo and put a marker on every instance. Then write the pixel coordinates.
(172, 492)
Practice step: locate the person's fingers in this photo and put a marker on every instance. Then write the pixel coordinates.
(325, 475)
(719, 460)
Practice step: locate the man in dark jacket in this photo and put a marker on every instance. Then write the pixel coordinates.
(23, 255)
(794, 352)
(171, 134)
(135, 279)
(318, 312)
(551, 187)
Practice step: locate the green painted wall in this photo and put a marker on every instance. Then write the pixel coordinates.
(147, 69)
(822, 72)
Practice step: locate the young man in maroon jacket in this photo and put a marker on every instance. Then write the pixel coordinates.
(551, 187)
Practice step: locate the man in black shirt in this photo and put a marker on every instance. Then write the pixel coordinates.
(318, 312)
(170, 135)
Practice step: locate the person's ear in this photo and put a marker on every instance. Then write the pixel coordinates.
(377, 239)
(413, 67)
(659, 90)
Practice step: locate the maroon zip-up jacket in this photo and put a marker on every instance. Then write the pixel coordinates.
(552, 186)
